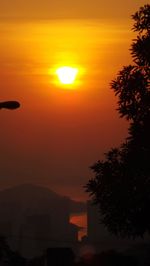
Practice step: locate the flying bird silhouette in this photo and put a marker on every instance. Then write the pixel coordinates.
(9, 105)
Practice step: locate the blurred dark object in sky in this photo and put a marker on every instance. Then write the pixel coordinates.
(9, 105)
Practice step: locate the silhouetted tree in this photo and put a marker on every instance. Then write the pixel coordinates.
(121, 185)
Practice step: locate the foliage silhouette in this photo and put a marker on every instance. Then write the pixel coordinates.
(121, 185)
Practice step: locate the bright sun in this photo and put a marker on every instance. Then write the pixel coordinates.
(66, 74)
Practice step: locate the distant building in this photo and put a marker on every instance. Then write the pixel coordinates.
(42, 231)
(34, 218)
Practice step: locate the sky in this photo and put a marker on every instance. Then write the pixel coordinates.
(59, 132)
(79, 9)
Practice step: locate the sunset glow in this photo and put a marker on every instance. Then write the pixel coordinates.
(66, 119)
(57, 60)
(81, 221)
(66, 74)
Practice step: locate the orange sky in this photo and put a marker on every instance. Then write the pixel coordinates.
(68, 9)
(57, 134)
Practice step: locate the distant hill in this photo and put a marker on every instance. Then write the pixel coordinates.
(34, 199)
(33, 218)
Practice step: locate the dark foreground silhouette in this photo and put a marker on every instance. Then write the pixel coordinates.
(138, 255)
(121, 183)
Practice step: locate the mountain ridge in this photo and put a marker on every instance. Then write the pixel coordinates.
(35, 196)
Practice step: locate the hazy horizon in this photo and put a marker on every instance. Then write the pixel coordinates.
(57, 59)
(57, 134)
(48, 143)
